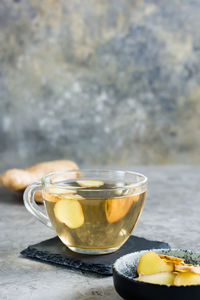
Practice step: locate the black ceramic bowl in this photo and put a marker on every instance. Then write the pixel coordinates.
(124, 274)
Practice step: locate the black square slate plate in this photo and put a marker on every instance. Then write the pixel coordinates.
(54, 251)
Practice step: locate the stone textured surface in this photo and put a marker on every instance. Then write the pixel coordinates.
(99, 82)
(171, 214)
(54, 251)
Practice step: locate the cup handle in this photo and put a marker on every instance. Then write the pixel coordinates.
(31, 205)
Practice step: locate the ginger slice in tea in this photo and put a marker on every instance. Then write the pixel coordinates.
(56, 194)
(117, 208)
(90, 183)
(69, 212)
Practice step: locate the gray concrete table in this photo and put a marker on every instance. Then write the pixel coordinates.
(171, 213)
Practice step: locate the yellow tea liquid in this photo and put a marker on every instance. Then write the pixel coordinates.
(93, 220)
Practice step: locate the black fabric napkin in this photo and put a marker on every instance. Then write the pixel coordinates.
(54, 251)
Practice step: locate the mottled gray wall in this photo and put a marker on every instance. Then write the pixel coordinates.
(100, 82)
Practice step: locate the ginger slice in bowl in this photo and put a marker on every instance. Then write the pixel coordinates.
(187, 278)
(151, 263)
(171, 259)
(158, 278)
(187, 268)
(155, 268)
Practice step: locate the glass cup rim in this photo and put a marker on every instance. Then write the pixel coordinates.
(46, 179)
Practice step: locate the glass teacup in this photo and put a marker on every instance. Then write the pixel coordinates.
(92, 211)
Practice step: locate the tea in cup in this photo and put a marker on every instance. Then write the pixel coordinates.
(92, 211)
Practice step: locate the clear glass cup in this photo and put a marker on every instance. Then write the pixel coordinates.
(92, 211)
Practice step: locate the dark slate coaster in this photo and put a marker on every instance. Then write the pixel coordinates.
(54, 251)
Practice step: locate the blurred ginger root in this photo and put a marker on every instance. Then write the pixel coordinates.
(18, 179)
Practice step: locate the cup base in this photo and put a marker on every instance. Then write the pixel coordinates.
(93, 251)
